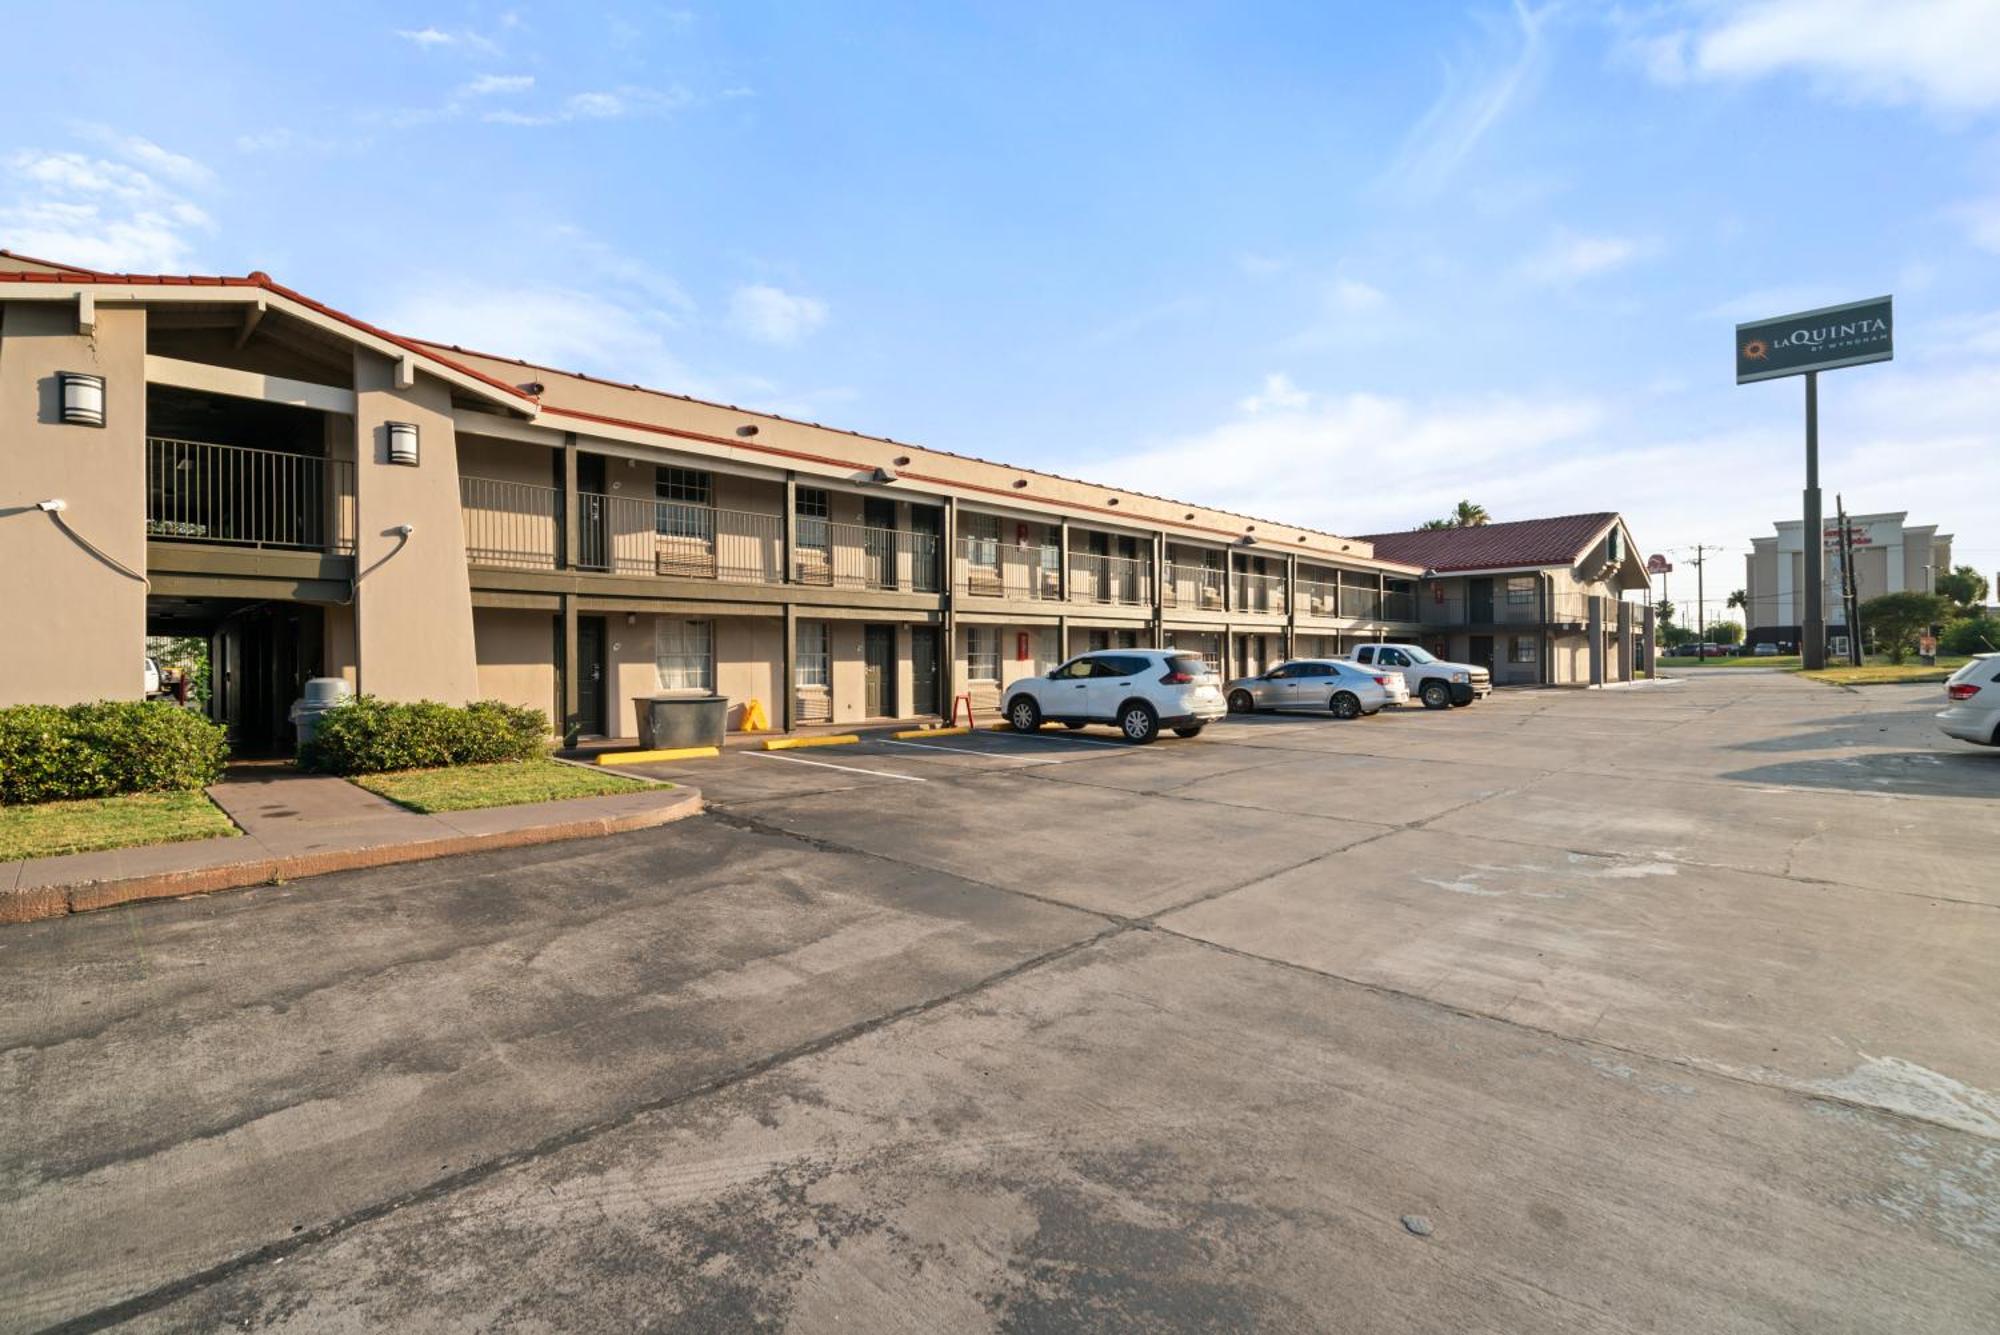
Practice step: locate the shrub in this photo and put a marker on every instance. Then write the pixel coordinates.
(50, 753)
(1971, 635)
(367, 735)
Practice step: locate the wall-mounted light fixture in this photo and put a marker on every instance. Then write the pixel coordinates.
(82, 398)
(402, 443)
(883, 475)
(746, 431)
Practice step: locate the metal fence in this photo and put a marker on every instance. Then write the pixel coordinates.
(987, 569)
(1258, 593)
(198, 492)
(858, 556)
(1124, 580)
(1199, 587)
(517, 525)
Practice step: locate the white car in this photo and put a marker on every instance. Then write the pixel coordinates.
(1138, 690)
(152, 678)
(1437, 683)
(1345, 690)
(1974, 692)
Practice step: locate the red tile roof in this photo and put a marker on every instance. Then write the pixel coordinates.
(1523, 542)
(264, 282)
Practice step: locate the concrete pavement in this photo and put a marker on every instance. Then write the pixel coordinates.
(1040, 1033)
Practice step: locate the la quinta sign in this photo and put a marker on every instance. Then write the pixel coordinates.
(1850, 335)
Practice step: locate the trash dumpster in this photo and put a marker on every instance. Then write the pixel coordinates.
(322, 694)
(670, 721)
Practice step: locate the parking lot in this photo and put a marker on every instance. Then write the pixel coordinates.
(1666, 1008)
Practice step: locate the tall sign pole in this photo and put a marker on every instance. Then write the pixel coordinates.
(1806, 344)
(1812, 635)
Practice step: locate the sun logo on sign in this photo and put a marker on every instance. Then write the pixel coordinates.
(1754, 350)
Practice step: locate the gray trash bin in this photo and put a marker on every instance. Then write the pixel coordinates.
(322, 694)
(670, 721)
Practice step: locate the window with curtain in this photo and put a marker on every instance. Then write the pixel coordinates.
(814, 660)
(1522, 649)
(813, 509)
(982, 538)
(1521, 590)
(684, 654)
(982, 653)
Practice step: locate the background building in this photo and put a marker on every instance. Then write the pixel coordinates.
(1890, 556)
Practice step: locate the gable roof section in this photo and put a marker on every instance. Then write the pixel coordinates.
(513, 395)
(1558, 541)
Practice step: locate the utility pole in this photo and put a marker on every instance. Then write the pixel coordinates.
(1701, 597)
(1849, 592)
(1813, 634)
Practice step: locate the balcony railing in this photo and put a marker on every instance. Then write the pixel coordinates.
(1123, 580)
(1259, 593)
(1399, 605)
(517, 525)
(1191, 586)
(987, 569)
(857, 556)
(235, 494)
(629, 535)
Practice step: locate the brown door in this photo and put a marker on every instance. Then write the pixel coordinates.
(880, 661)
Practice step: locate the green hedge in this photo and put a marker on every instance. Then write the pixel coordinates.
(50, 753)
(1971, 635)
(367, 735)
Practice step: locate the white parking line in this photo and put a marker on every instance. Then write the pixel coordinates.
(971, 751)
(1064, 737)
(821, 764)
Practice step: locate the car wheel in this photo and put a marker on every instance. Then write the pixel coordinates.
(1193, 730)
(1074, 724)
(1138, 722)
(1345, 704)
(1241, 703)
(1024, 714)
(1436, 695)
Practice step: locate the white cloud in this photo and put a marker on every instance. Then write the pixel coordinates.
(1477, 93)
(425, 37)
(567, 328)
(488, 84)
(105, 214)
(1982, 223)
(1278, 393)
(1936, 53)
(1256, 265)
(773, 315)
(614, 104)
(1356, 297)
(1570, 258)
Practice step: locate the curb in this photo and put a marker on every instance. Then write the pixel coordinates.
(930, 732)
(797, 743)
(648, 757)
(55, 901)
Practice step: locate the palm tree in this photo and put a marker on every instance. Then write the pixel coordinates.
(1464, 515)
(1741, 598)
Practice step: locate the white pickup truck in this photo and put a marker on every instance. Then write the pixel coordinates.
(1437, 683)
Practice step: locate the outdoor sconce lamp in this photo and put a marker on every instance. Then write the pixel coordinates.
(82, 398)
(402, 443)
(883, 475)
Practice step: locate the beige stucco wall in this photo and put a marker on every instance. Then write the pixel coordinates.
(342, 659)
(413, 609)
(54, 592)
(515, 650)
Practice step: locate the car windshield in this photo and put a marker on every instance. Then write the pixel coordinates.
(1420, 656)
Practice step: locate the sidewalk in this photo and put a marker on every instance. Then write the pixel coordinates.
(306, 825)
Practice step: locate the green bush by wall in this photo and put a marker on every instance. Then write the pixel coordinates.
(1971, 635)
(52, 753)
(367, 735)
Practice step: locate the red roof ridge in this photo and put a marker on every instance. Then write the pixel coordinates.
(265, 282)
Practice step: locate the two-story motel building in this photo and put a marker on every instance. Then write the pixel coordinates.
(322, 497)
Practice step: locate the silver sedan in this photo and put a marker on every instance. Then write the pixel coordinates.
(1345, 690)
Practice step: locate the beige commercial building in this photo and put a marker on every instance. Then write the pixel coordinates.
(1891, 555)
(1534, 601)
(320, 496)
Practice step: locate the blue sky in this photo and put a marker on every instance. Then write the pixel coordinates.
(1342, 264)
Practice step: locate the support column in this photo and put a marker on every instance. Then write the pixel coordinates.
(1545, 671)
(1291, 605)
(572, 687)
(948, 524)
(1062, 566)
(791, 529)
(1159, 590)
(1596, 640)
(1228, 580)
(570, 537)
(1812, 645)
(788, 691)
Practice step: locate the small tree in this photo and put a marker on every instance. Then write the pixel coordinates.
(1964, 586)
(1724, 632)
(1741, 599)
(1894, 620)
(1663, 612)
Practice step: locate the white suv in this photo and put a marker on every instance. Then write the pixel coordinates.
(1974, 695)
(1138, 690)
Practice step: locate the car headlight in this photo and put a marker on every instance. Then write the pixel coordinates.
(1460, 677)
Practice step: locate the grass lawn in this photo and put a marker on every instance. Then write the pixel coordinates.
(1884, 673)
(466, 787)
(47, 829)
(1743, 660)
